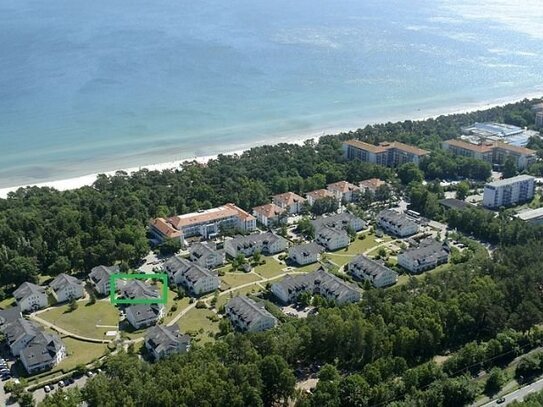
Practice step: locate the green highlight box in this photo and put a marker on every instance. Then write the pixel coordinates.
(163, 299)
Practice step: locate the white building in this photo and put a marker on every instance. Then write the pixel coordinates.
(266, 243)
(30, 297)
(429, 254)
(42, 353)
(269, 214)
(100, 277)
(508, 192)
(144, 315)
(197, 279)
(248, 315)
(533, 216)
(396, 223)
(207, 255)
(162, 341)
(314, 196)
(67, 288)
(205, 223)
(304, 254)
(367, 269)
(291, 201)
(344, 220)
(343, 191)
(332, 238)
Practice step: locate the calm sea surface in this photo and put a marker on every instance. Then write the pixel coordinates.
(88, 86)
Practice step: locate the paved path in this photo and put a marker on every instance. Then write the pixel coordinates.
(519, 394)
(65, 332)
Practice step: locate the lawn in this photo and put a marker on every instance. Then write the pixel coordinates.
(7, 303)
(181, 305)
(271, 269)
(197, 321)
(232, 280)
(84, 319)
(223, 299)
(343, 256)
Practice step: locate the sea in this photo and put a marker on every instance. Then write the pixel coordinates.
(92, 86)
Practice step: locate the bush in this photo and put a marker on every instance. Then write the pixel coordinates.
(201, 305)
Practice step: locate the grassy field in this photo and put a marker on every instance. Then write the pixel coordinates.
(7, 303)
(232, 280)
(84, 319)
(223, 299)
(342, 257)
(80, 352)
(271, 269)
(181, 305)
(197, 321)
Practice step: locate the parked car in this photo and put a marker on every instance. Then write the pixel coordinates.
(70, 380)
(47, 389)
(61, 384)
(500, 400)
(5, 377)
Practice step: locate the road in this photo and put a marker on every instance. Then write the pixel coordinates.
(519, 394)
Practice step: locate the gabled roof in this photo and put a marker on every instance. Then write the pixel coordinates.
(395, 218)
(366, 146)
(166, 228)
(247, 310)
(288, 199)
(328, 233)
(342, 186)
(19, 328)
(269, 210)
(369, 267)
(256, 239)
(427, 249)
(209, 215)
(42, 349)
(339, 221)
(101, 274)
(136, 288)
(64, 280)
(319, 194)
(204, 250)
(144, 312)
(27, 289)
(9, 315)
(305, 250)
(385, 146)
(372, 183)
(162, 338)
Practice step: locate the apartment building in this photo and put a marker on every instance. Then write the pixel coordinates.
(197, 279)
(494, 152)
(266, 243)
(386, 153)
(343, 191)
(30, 297)
(289, 200)
(509, 191)
(207, 255)
(427, 255)
(366, 269)
(314, 196)
(205, 223)
(269, 214)
(396, 223)
(248, 315)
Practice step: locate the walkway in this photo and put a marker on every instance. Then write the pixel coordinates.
(65, 332)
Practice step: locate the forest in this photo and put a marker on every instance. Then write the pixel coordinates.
(382, 351)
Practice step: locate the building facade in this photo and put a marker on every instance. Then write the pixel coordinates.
(389, 154)
(396, 223)
(344, 191)
(290, 201)
(207, 255)
(366, 269)
(67, 288)
(509, 191)
(304, 254)
(248, 315)
(162, 341)
(30, 297)
(266, 243)
(427, 255)
(269, 214)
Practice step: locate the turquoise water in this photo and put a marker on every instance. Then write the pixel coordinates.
(89, 86)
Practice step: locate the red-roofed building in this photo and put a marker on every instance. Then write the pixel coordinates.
(269, 214)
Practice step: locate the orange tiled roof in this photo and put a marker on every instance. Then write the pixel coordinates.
(366, 146)
(319, 194)
(269, 210)
(372, 183)
(385, 146)
(342, 186)
(515, 149)
(478, 148)
(288, 198)
(165, 228)
(209, 215)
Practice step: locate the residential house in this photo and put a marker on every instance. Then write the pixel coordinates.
(344, 191)
(248, 315)
(144, 315)
(427, 255)
(19, 333)
(314, 196)
(343, 220)
(509, 191)
(289, 200)
(208, 223)
(67, 288)
(303, 254)
(163, 230)
(30, 297)
(207, 255)
(371, 185)
(196, 279)
(386, 153)
(396, 223)
(332, 238)
(42, 353)
(366, 269)
(266, 243)
(100, 277)
(318, 282)
(9, 315)
(270, 214)
(162, 341)
(137, 289)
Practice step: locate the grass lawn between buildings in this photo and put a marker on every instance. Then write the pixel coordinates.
(198, 322)
(343, 256)
(84, 320)
(272, 268)
(223, 299)
(232, 280)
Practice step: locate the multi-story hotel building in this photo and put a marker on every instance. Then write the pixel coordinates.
(509, 191)
(203, 223)
(386, 153)
(495, 152)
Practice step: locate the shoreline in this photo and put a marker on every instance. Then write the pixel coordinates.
(89, 179)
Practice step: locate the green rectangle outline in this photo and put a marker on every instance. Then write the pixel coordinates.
(156, 276)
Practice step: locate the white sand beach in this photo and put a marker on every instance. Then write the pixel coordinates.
(87, 180)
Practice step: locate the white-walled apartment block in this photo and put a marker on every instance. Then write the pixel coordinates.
(508, 192)
(289, 200)
(396, 223)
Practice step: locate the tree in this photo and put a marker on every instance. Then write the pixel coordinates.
(409, 172)
(509, 168)
(495, 381)
(257, 257)
(354, 391)
(277, 380)
(328, 204)
(72, 306)
(169, 247)
(462, 190)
